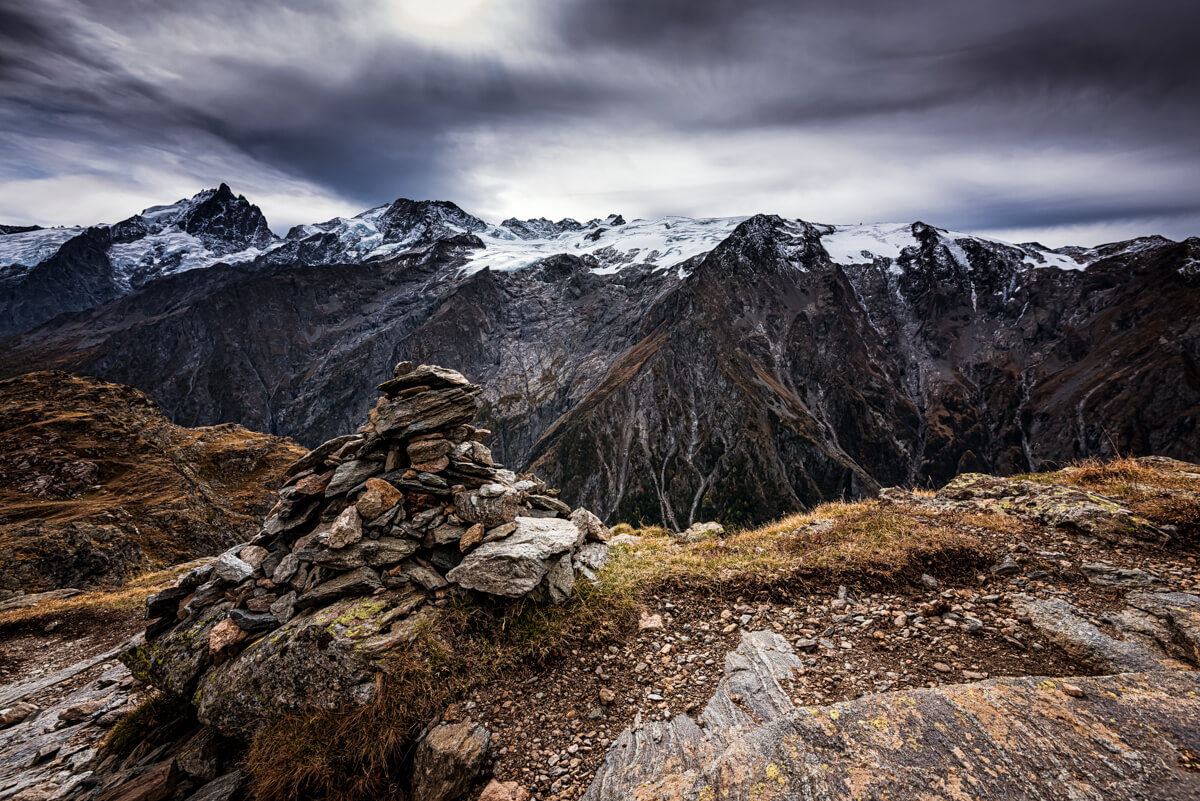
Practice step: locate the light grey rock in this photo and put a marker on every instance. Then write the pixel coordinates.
(447, 760)
(513, 566)
(698, 532)
(1007, 567)
(592, 527)
(1106, 575)
(425, 577)
(230, 569)
(375, 553)
(489, 508)
(285, 569)
(284, 607)
(1180, 612)
(346, 529)
(350, 474)
(560, 579)
(1058, 621)
(591, 558)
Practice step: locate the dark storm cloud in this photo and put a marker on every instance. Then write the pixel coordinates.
(321, 92)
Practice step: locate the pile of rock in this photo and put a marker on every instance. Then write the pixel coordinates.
(371, 530)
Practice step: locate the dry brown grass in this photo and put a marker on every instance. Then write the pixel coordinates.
(1159, 493)
(131, 597)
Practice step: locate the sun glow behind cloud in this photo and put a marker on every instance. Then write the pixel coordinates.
(456, 24)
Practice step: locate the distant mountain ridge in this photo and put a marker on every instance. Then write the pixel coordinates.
(666, 370)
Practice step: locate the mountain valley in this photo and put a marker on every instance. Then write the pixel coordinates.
(666, 371)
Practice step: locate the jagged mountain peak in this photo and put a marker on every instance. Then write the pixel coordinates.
(225, 222)
(424, 221)
(542, 228)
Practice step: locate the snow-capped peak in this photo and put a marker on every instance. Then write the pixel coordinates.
(608, 245)
(886, 242)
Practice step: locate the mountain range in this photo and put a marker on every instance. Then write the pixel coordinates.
(666, 370)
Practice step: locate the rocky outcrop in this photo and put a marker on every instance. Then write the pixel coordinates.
(1054, 505)
(373, 531)
(1004, 738)
(1155, 631)
(97, 484)
(1057, 505)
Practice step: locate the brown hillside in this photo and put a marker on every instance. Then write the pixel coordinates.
(97, 484)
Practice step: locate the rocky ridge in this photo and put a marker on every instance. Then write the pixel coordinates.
(373, 531)
(96, 484)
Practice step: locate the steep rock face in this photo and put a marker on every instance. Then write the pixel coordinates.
(95, 483)
(679, 370)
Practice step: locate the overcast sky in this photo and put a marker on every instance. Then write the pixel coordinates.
(1066, 121)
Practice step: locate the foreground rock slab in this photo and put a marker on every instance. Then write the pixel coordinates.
(1126, 736)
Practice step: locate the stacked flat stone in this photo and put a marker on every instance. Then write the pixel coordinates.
(412, 500)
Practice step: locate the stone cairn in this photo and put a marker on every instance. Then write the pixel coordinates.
(411, 500)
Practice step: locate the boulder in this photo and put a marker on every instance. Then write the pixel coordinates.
(427, 450)
(591, 526)
(427, 375)
(253, 622)
(253, 555)
(489, 508)
(426, 411)
(447, 760)
(376, 553)
(1105, 575)
(1052, 504)
(514, 566)
(321, 659)
(173, 662)
(230, 569)
(698, 532)
(1060, 622)
(350, 474)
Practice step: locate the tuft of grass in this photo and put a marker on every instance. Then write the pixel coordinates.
(153, 712)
